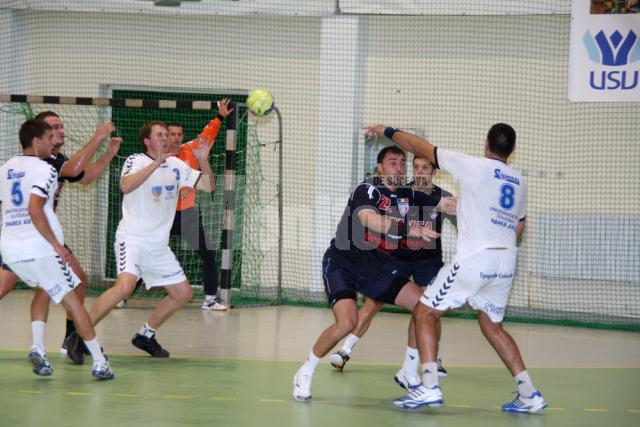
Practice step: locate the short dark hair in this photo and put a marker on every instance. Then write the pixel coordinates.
(502, 139)
(390, 149)
(45, 114)
(145, 130)
(174, 125)
(423, 158)
(31, 129)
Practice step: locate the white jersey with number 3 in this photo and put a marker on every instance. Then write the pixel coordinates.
(491, 201)
(21, 177)
(149, 210)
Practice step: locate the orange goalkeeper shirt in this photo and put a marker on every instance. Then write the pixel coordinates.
(187, 196)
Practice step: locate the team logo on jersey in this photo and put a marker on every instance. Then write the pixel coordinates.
(403, 206)
(433, 214)
(169, 188)
(156, 190)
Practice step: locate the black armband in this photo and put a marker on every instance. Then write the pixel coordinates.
(220, 117)
(389, 131)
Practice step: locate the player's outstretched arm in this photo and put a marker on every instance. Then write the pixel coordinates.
(79, 161)
(405, 140)
(207, 180)
(384, 225)
(130, 182)
(41, 223)
(95, 169)
(210, 131)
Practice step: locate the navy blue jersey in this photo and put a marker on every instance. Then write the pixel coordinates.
(425, 215)
(360, 249)
(58, 161)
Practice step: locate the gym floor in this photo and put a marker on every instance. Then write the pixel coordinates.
(236, 368)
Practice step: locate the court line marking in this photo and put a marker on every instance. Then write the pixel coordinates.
(634, 411)
(242, 359)
(223, 398)
(29, 392)
(77, 393)
(175, 397)
(596, 409)
(126, 394)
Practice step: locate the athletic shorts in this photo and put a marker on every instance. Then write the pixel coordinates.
(423, 271)
(341, 283)
(156, 266)
(4, 266)
(48, 273)
(483, 279)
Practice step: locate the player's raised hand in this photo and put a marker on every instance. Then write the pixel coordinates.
(448, 205)
(104, 130)
(114, 146)
(223, 107)
(373, 131)
(201, 152)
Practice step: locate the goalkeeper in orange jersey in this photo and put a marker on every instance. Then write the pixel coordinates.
(187, 223)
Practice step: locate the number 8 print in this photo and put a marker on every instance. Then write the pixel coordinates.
(507, 196)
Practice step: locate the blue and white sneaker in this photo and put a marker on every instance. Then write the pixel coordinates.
(102, 370)
(522, 404)
(40, 363)
(421, 396)
(407, 382)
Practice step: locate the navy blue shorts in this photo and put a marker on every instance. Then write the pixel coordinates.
(342, 283)
(423, 271)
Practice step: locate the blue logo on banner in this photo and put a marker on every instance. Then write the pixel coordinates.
(613, 51)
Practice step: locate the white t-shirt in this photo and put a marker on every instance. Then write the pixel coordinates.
(20, 177)
(491, 201)
(149, 210)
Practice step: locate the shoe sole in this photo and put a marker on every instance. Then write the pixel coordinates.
(416, 405)
(531, 410)
(103, 377)
(163, 356)
(41, 371)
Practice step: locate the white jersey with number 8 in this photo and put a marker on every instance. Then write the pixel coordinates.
(491, 201)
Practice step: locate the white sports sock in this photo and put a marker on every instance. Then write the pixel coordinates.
(147, 331)
(411, 361)
(430, 374)
(94, 348)
(525, 386)
(37, 334)
(209, 297)
(349, 343)
(310, 365)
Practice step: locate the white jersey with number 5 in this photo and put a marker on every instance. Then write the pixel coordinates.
(491, 201)
(149, 210)
(21, 177)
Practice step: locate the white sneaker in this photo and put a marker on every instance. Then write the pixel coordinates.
(122, 304)
(302, 387)
(407, 382)
(531, 404)
(213, 304)
(102, 370)
(421, 396)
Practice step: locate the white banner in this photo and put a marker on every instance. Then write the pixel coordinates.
(604, 62)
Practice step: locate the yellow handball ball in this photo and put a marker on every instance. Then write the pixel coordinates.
(260, 102)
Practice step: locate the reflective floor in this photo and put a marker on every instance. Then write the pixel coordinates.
(236, 368)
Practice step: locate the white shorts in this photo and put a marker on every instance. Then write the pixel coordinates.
(483, 279)
(48, 273)
(156, 266)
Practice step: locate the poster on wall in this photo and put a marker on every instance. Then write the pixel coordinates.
(604, 63)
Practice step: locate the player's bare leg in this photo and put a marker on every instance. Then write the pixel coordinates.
(85, 329)
(7, 282)
(122, 288)
(178, 295)
(365, 315)
(528, 398)
(345, 313)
